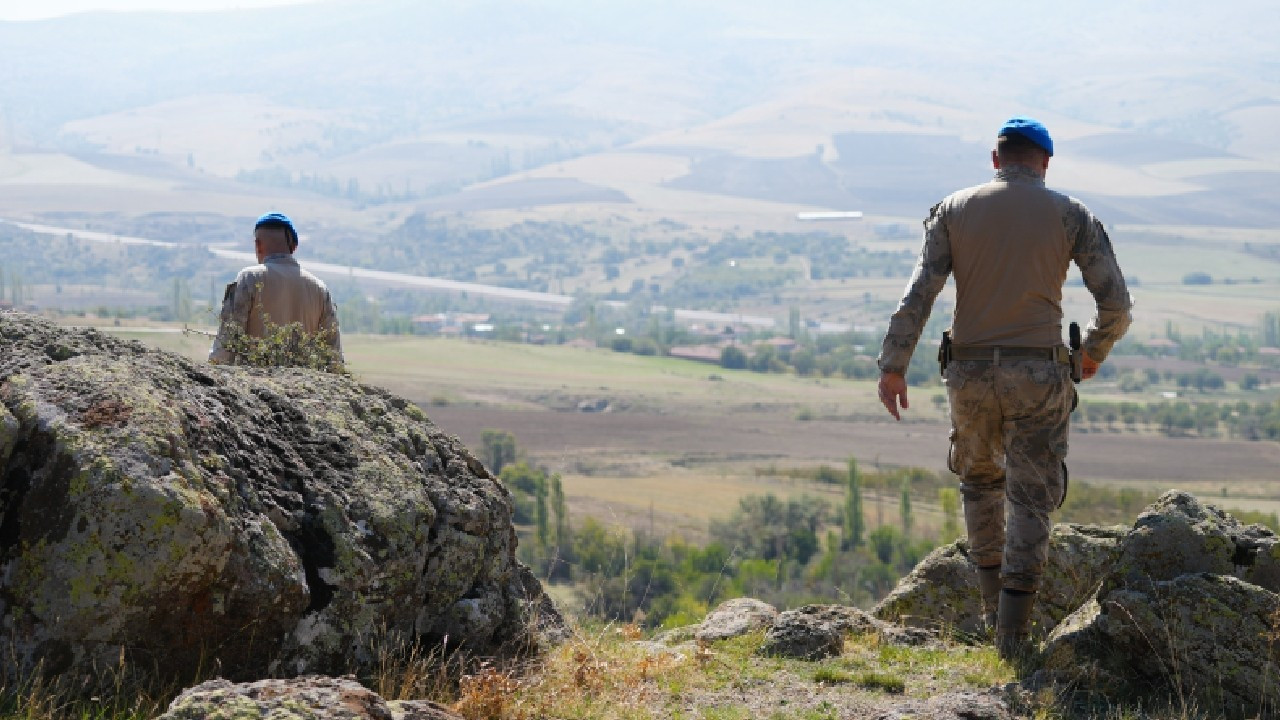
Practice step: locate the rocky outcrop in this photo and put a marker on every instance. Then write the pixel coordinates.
(942, 591)
(304, 698)
(1183, 604)
(1211, 638)
(1190, 606)
(1178, 535)
(261, 521)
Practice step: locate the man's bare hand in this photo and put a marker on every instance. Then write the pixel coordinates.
(893, 389)
(1088, 366)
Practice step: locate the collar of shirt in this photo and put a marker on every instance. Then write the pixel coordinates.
(1020, 174)
(280, 258)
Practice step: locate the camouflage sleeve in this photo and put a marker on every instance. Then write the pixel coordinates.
(927, 281)
(1093, 254)
(237, 301)
(329, 325)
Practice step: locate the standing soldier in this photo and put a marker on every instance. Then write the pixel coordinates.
(1009, 243)
(273, 294)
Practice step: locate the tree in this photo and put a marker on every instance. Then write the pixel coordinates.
(561, 557)
(732, 358)
(904, 507)
(949, 499)
(852, 525)
(180, 300)
(803, 361)
(560, 513)
(498, 448)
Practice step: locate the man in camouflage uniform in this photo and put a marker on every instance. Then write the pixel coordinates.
(275, 293)
(1009, 243)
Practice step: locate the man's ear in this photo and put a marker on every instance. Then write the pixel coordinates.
(995, 159)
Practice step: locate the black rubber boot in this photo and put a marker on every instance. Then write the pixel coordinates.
(989, 584)
(1013, 626)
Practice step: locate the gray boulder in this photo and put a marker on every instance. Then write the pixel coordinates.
(953, 706)
(1205, 637)
(736, 617)
(260, 521)
(814, 632)
(310, 698)
(1178, 534)
(942, 591)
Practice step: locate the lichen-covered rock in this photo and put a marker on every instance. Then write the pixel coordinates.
(1211, 638)
(1178, 534)
(953, 706)
(942, 591)
(813, 632)
(305, 698)
(802, 636)
(735, 617)
(265, 520)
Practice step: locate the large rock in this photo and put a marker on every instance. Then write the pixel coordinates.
(735, 617)
(261, 520)
(304, 698)
(942, 591)
(814, 632)
(1210, 639)
(988, 705)
(1178, 534)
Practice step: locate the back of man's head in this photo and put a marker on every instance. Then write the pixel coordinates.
(1016, 149)
(276, 233)
(1023, 140)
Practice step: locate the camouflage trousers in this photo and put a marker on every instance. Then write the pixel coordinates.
(1009, 425)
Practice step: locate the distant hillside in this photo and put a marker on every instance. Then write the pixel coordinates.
(881, 108)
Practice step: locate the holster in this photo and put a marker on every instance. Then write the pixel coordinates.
(1077, 355)
(944, 352)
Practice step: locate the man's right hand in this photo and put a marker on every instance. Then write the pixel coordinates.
(1088, 366)
(893, 389)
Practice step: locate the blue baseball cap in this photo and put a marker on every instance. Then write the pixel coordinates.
(278, 220)
(1030, 129)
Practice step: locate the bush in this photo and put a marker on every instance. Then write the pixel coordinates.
(733, 358)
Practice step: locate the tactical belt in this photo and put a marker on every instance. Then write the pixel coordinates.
(994, 353)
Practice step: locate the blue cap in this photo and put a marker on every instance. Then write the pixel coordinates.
(278, 220)
(1030, 129)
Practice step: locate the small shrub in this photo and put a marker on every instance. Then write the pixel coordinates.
(832, 676)
(882, 682)
(284, 346)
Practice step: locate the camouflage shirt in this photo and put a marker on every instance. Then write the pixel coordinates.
(1009, 243)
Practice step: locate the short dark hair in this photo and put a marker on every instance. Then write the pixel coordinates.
(1018, 147)
(278, 232)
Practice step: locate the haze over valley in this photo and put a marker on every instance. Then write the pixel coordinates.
(629, 175)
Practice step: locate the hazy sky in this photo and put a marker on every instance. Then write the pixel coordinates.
(31, 10)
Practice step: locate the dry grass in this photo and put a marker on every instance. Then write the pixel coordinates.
(121, 691)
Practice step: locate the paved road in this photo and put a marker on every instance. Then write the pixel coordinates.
(330, 271)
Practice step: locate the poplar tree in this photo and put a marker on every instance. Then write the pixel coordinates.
(540, 515)
(853, 526)
(950, 501)
(904, 507)
(560, 511)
